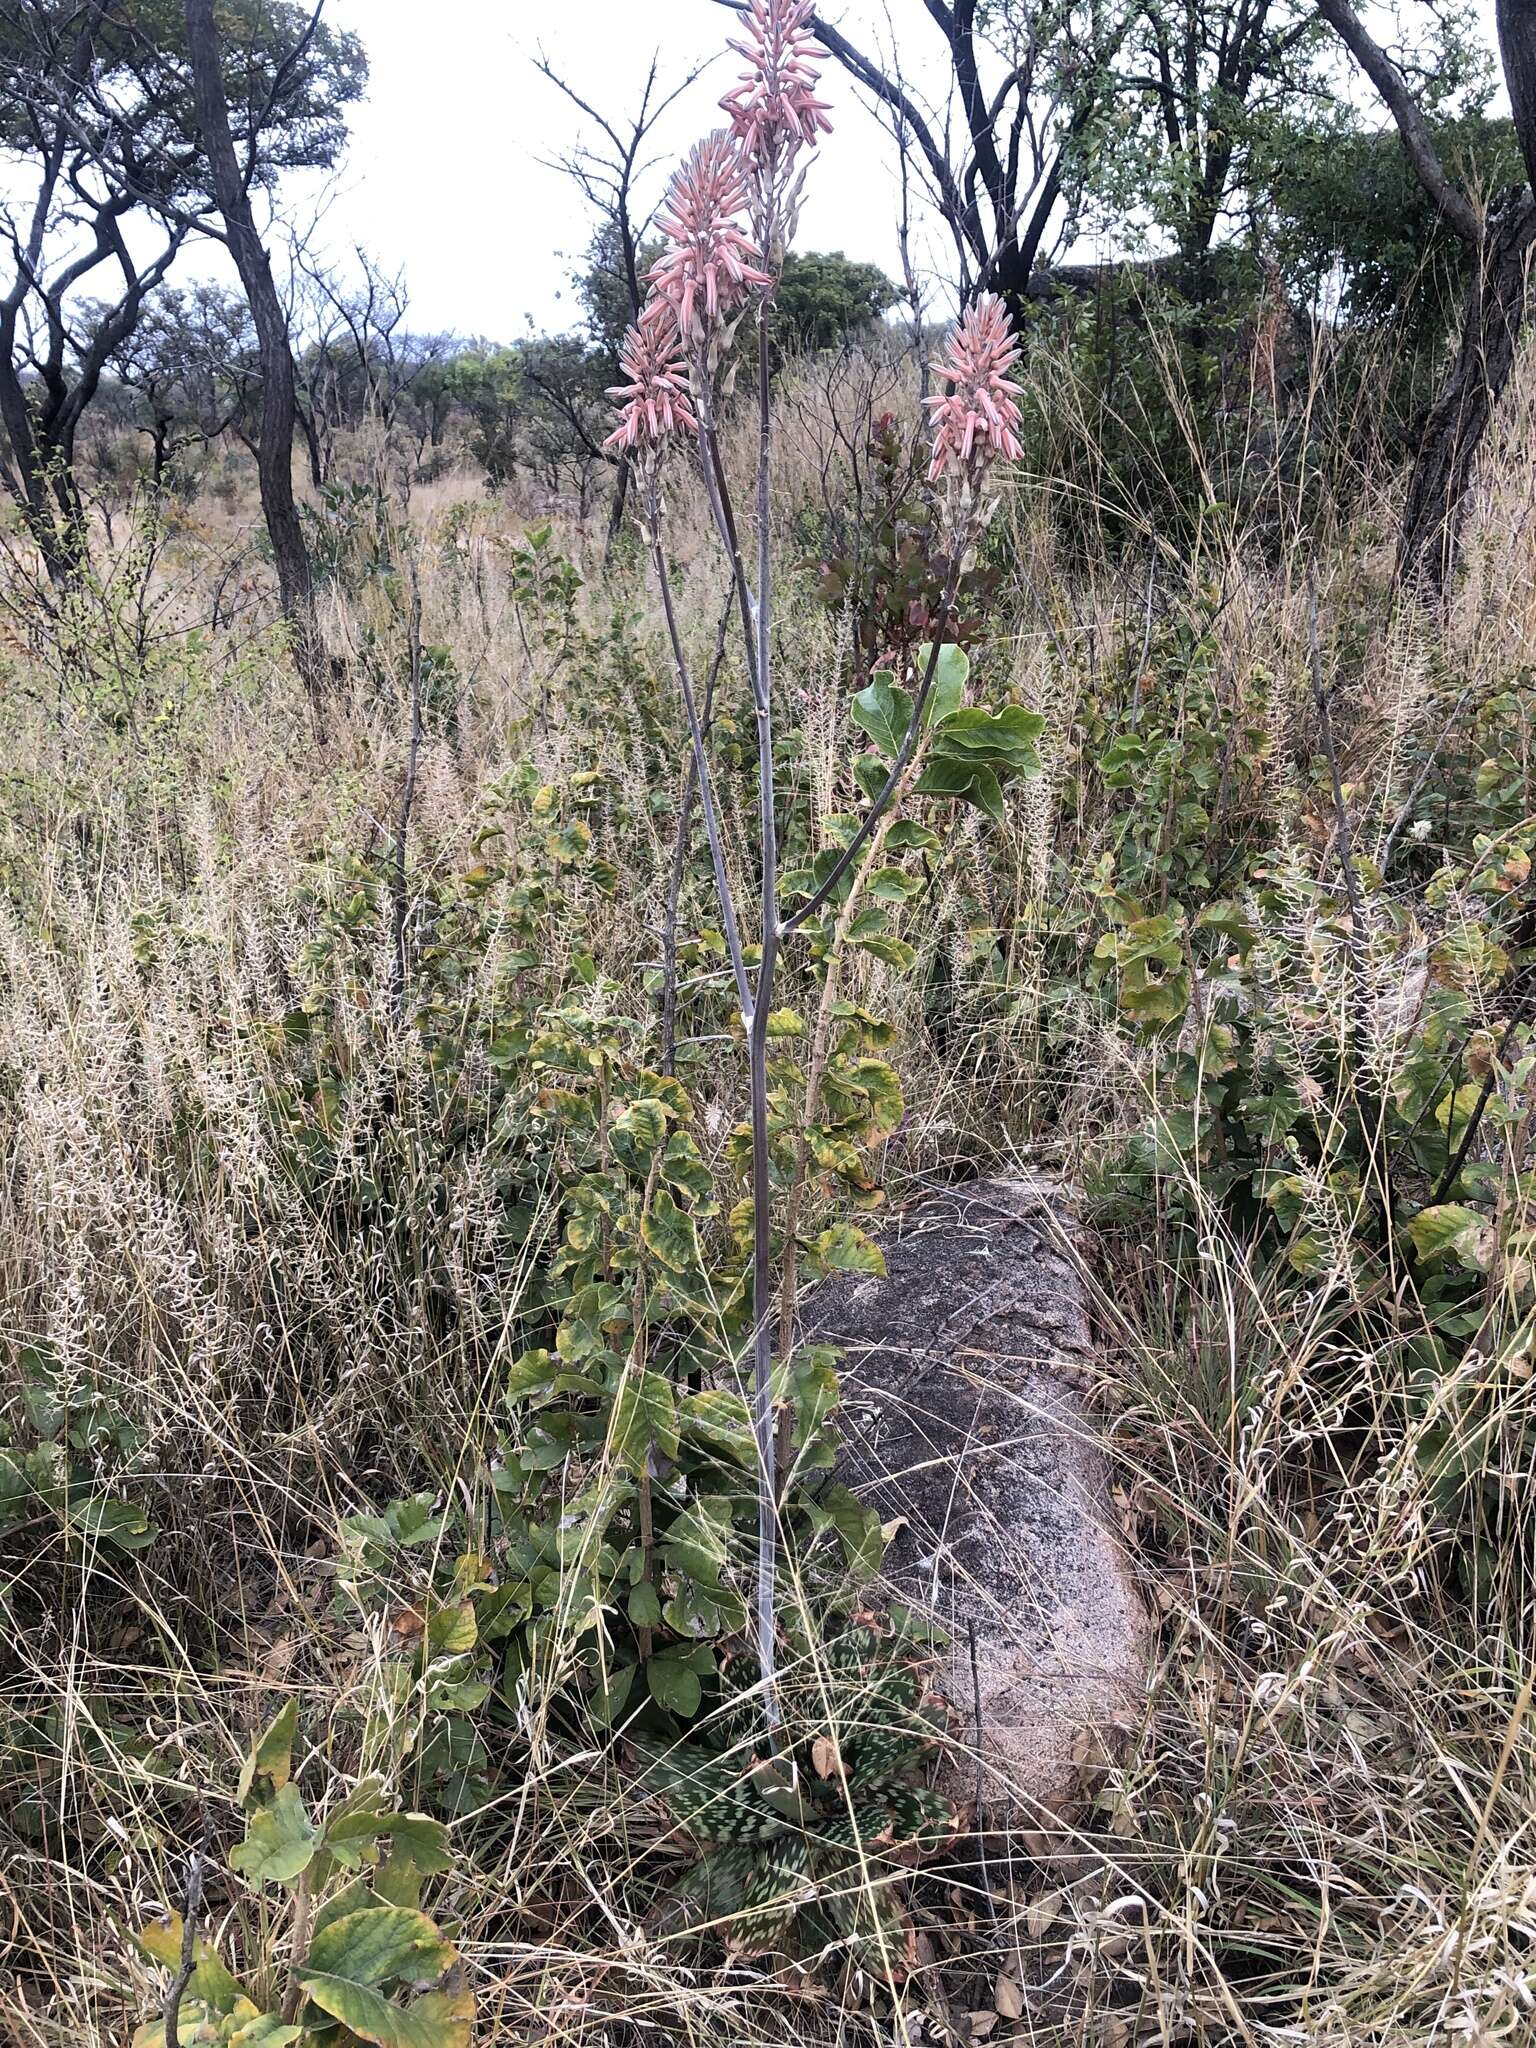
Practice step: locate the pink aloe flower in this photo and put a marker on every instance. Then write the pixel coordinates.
(708, 270)
(774, 111)
(976, 421)
(656, 398)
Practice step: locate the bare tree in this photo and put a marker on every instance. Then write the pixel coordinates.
(607, 174)
(1500, 242)
(359, 361)
(187, 366)
(1000, 157)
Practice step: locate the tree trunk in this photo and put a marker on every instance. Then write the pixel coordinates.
(279, 403)
(1517, 50)
(1458, 419)
(316, 453)
(616, 509)
(37, 475)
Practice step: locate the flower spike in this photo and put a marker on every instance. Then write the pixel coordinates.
(977, 421)
(774, 110)
(708, 270)
(656, 398)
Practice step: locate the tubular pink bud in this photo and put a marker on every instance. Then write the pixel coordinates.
(774, 110)
(656, 398)
(976, 421)
(709, 267)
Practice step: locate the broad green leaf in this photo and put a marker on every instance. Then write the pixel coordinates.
(280, 1841)
(907, 836)
(683, 1165)
(670, 1234)
(968, 781)
(893, 885)
(196, 2028)
(267, 2030)
(210, 1983)
(810, 1382)
(1457, 1105)
(974, 752)
(441, 2019)
(270, 1764)
(720, 1422)
(379, 1944)
(893, 951)
(117, 1523)
(397, 1882)
(883, 710)
(704, 1611)
(674, 1685)
(857, 1526)
(569, 843)
(871, 772)
(644, 1605)
(361, 1895)
(667, 1089)
(698, 1541)
(887, 1105)
(947, 691)
(352, 1829)
(844, 1248)
(1452, 1228)
(1152, 994)
(644, 1414)
(417, 1839)
(531, 1374)
(1148, 938)
(1002, 740)
(641, 1127)
(451, 1631)
(612, 1691)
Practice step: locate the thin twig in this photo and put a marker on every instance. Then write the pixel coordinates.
(762, 1172)
(1146, 645)
(1490, 1081)
(1342, 840)
(407, 797)
(981, 1833)
(701, 761)
(670, 985)
(197, 1867)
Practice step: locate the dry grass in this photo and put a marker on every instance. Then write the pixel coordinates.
(1320, 1830)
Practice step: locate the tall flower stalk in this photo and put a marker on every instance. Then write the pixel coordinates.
(728, 218)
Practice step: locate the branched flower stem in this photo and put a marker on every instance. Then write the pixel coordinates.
(816, 1066)
(893, 781)
(762, 1216)
(700, 761)
(669, 943)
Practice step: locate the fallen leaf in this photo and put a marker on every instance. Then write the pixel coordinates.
(826, 1760)
(1042, 1912)
(407, 1624)
(1007, 1998)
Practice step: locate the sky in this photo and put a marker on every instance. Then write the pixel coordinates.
(447, 178)
(450, 179)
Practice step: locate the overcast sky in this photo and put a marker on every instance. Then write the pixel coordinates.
(446, 178)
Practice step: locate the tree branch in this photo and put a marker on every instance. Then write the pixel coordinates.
(1452, 203)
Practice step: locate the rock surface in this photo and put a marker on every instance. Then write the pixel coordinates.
(966, 1418)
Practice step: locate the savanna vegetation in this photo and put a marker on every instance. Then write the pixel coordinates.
(515, 857)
